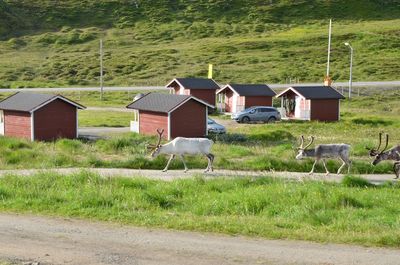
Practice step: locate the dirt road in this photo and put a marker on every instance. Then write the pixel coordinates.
(66, 241)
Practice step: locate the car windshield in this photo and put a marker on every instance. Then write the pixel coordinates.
(210, 121)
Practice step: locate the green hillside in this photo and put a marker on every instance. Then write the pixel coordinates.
(55, 43)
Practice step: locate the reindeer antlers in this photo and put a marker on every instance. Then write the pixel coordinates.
(302, 142)
(160, 133)
(153, 146)
(312, 138)
(375, 151)
(387, 143)
(311, 142)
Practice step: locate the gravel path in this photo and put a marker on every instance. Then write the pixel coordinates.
(179, 174)
(67, 241)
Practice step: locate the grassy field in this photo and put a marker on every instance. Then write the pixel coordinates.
(96, 118)
(350, 212)
(149, 44)
(245, 147)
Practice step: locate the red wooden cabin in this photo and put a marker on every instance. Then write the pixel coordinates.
(178, 115)
(320, 103)
(201, 88)
(39, 117)
(237, 97)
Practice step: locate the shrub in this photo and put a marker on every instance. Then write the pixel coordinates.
(17, 43)
(353, 181)
(14, 144)
(372, 121)
(229, 138)
(69, 145)
(163, 198)
(347, 201)
(274, 136)
(135, 142)
(47, 38)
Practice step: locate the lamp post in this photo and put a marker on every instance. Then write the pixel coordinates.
(101, 69)
(351, 67)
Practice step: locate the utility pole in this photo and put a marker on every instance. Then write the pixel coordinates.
(329, 48)
(101, 69)
(328, 80)
(351, 69)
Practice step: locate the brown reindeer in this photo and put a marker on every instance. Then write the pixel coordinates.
(391, 154)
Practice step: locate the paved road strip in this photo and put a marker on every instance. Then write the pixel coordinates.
(141, 88)
(179, 174)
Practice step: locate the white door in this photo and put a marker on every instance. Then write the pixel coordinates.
(297, 110)
(1, 122)
(234, 103)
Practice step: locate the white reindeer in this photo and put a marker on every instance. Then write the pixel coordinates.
(323, 151)
(181, 146)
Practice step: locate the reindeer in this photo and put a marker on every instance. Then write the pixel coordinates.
(323, 151)
(391, 154)
(184, 146)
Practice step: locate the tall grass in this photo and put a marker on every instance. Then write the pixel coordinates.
(130, 151)
(266, 207)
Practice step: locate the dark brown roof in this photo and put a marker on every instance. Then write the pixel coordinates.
(317, 92)
(252, 89)
(159, 102)
(196, 83)
(28, 102)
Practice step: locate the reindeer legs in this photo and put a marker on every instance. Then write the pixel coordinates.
(211, 162)
(341, 167)
(345, 162)
(169, 161)
(327, 171)
(183, 161)
(396, 169)
(396, 166)
(313, 167)
(210, 159)
(208, 164)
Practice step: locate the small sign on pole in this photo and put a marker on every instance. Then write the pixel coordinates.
(210, 71)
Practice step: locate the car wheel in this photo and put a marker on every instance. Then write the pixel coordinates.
(272, 120)
(245, 119)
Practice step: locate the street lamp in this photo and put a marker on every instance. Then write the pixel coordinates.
(351, 67)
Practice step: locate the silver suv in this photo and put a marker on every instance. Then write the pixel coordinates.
(257, 114)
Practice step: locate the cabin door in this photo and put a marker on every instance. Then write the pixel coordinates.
(234, 103)
(297, 109)
(1, 122)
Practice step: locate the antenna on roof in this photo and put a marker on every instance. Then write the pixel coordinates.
(328, 80)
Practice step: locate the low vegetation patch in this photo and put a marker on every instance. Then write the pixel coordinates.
(88, 118)
(129, 151)
(266, 207)
(353, 181)
(244, 147)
